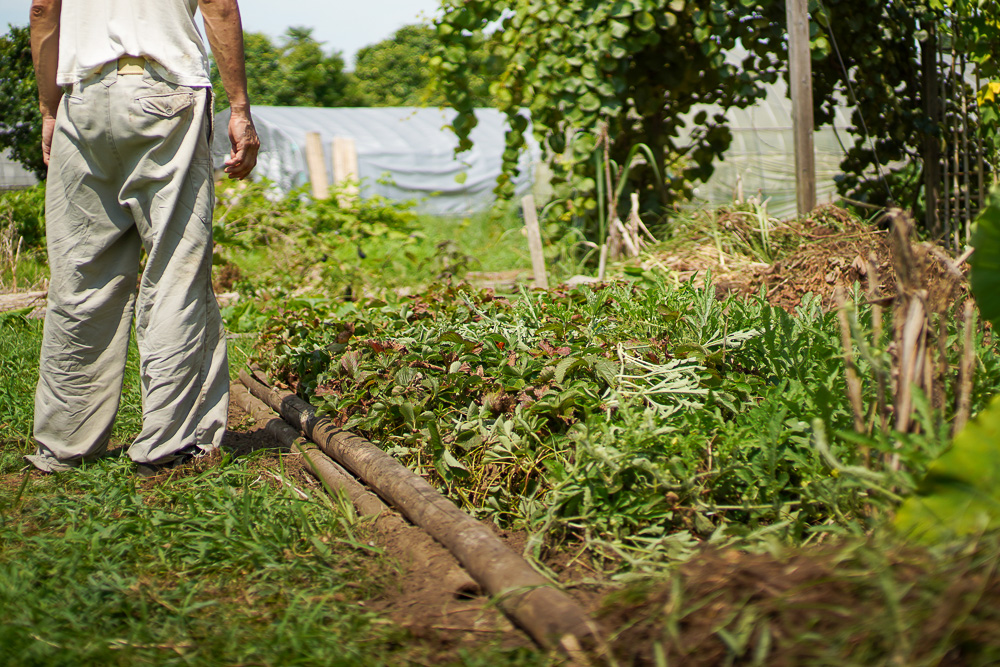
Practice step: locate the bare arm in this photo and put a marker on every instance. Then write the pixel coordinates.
(45, 54)
(224, 30)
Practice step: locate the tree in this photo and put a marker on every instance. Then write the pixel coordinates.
(397, 71)
(20, 119)
(626, 69)
(295, 72)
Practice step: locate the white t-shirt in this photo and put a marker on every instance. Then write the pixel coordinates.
(95, 32)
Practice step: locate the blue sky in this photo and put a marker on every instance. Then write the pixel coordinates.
(343, 26)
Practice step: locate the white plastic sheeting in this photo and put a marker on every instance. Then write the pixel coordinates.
(13, 175)
(404, 153)
(761, 159)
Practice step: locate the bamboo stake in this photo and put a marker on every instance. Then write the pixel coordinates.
(614, 241)
(964, 406)
(345, 170)
(946, 163)
(317, 165)
(980, 166)
(880, 372)
(910, 363)
(967, 176)
(955, 147)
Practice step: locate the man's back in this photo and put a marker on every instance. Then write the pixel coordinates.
(94, 32)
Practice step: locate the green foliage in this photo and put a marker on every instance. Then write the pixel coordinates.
(300, 240)
(292, 245)
(889, 49)
(214, 568)
(986, 260)
(20, 119)
(635, 67)
(294, 72)
(637, 417)
(23, 212)
(397, 72)
(960, 495)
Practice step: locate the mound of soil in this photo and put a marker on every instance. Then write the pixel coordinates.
(815, 255)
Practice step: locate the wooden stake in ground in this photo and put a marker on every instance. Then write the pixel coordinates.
(966, 369)
(800, 74)
(535, 241)
(345, 171)
(317, 166)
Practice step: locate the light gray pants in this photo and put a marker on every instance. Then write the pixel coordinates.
(130, 169)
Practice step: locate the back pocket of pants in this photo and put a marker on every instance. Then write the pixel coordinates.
(166, 106)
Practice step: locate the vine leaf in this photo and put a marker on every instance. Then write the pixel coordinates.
(986, 260)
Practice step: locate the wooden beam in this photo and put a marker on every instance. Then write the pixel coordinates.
(800, 81)
(317, 165)
(535, 241)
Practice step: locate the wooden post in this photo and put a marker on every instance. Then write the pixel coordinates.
(535, 241)
(317, 165)
(345, 170)
(800, 76)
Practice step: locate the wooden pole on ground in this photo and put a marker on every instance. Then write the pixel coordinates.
(800, 76)
(535, 241)
(422, 550)
(317, 165)
(345, 170)
(550, 616)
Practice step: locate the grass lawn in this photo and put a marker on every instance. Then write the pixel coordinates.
(216, 565)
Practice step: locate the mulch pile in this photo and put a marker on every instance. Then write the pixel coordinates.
(815, 255)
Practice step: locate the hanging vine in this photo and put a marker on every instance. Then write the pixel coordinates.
(636, 68)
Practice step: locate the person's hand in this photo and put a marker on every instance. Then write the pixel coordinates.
(245, 144)
(48, 129)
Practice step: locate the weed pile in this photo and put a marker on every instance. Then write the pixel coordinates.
(637, 417)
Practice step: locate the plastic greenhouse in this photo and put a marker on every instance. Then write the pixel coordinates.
(403, 153)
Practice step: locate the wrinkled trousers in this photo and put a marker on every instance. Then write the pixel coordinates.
(130, 169)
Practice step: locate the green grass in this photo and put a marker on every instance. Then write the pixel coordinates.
(210, 569)
(218, 566)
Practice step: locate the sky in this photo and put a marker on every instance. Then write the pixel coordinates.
(344, 26)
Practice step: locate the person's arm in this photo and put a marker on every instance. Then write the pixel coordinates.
(224, 30)
(45, 54)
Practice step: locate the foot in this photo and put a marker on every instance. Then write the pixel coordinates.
(154, 469)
